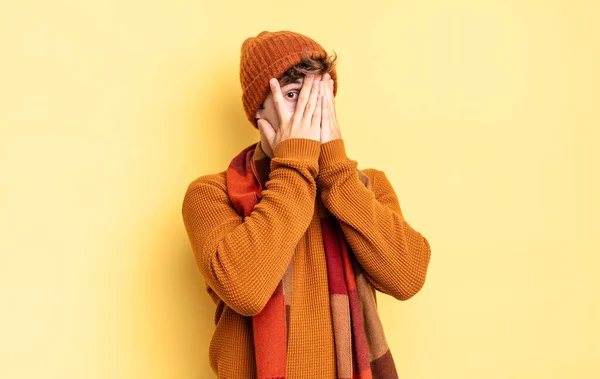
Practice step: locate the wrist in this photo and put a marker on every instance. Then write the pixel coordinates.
(332, 152)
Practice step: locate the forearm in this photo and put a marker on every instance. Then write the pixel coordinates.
(243, 259)
(394, 256)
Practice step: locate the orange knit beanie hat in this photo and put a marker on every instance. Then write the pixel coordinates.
(269, 55)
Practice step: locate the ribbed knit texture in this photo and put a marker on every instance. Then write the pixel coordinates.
(243, 260)
(269, 55)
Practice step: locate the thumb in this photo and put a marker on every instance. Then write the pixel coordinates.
(266, 129)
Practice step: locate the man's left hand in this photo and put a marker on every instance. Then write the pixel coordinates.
(330, 128)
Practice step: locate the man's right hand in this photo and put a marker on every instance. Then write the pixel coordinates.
(305, 122)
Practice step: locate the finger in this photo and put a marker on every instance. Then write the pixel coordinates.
(316, 116)
(312, 101)
(326, 112)
(303, 97)
(333, 116)
(331, 85)
(277, 99)
(331, 100)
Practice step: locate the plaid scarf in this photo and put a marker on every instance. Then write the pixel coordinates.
(360, 346)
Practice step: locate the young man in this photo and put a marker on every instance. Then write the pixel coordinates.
(292, 238)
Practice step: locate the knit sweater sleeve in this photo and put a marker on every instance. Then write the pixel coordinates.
(394, 256)
(244, 259)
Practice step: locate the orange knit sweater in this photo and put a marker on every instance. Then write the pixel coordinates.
(243, 260)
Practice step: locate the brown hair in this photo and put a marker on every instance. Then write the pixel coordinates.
(322, 64)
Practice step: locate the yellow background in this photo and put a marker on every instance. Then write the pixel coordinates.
(484, 115)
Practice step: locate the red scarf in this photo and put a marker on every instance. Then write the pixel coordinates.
(360, 345)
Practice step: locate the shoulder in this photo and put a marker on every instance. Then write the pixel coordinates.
(380, 184)
(383, 188)
(376, 176)
(206, 189)
(217, 180)
(371, 172)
